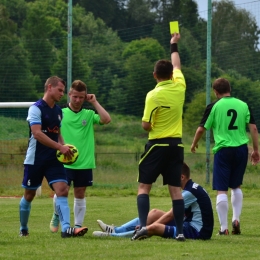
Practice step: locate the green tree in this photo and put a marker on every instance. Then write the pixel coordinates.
(148, 47)
(138, 82)
(17, 81)
(140, 56)
(246, 90)
(112, 12)
(16, 9)
(183, 11)
(189, 50)
(235, 37)
(117, 97)
(43, 32)
(80, 68)
(194, 112)
(102, 49)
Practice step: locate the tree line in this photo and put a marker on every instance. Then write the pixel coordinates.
(115, 46)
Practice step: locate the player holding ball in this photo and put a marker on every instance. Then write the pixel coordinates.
(44, 118)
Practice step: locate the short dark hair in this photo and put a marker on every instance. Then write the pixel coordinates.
(185, 170)
(222, 86)
(78, 85)
(163, 69)
(54, 80)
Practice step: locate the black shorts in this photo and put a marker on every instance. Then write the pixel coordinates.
(80, 178)
(162, 156)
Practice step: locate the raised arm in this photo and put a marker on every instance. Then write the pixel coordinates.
(175, 58)
(104, 115)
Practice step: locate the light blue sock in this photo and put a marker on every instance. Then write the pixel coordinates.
(129, 226)
(62, 208)
(123, 234)
(25, 209)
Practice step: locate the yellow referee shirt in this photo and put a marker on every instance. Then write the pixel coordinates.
(164, 107)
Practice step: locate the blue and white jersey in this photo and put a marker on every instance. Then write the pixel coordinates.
(198, 209)
(50, 120)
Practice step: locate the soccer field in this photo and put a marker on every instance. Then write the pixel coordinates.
(42, 244)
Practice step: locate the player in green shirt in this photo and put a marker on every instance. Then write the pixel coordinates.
(228, 118)
(77, 129)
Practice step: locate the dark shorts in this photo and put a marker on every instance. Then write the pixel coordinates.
(34, 174)
(188, 231)
(80, 178)
(162, 156)
(229, 167)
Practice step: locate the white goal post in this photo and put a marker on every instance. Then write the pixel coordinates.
(20, 105)
(15, 104)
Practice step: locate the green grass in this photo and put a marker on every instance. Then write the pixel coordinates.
(41, 244)
(113, 199)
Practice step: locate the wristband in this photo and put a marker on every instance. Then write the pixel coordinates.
(174, 48)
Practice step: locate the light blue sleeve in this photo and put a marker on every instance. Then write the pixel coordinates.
(188, 198)
(34, 116)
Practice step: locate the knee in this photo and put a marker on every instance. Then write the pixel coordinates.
(62, 192)
(153, 211)
(29, 195)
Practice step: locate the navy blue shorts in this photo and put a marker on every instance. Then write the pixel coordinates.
(80, 178)
(188, 231)
(162, 156)
(34, 174)
(229, 167)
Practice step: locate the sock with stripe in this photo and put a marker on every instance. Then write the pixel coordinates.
(129, 226)
(63, 210)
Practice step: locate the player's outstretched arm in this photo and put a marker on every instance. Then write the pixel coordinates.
(175, 57)
(200, 131)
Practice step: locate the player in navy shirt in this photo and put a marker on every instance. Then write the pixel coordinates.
(44, 118)
(198, 218)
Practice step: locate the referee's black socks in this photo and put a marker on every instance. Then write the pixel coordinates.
(178, 213)
(143, 206)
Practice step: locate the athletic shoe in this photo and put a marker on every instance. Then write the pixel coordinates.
(225, 232)
(106, 228)
(24, 233)
(100, 234)
(140, 234)
(55, 221)
(236, 228)
(74, 232)
(180, 237)
(77, 226)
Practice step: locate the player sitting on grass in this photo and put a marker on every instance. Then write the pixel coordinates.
(198, 220)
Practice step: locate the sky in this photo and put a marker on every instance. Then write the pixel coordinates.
(253, 6)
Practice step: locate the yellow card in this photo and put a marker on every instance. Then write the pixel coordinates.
(174, 27)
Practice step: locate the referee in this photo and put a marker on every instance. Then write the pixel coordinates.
(164, 150)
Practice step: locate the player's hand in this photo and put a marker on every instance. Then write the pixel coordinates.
(255, 157)
(194, 147)
(175, 38)
(91, 98)
(65, 149)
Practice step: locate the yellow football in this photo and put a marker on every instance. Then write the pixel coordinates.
(62, 159)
